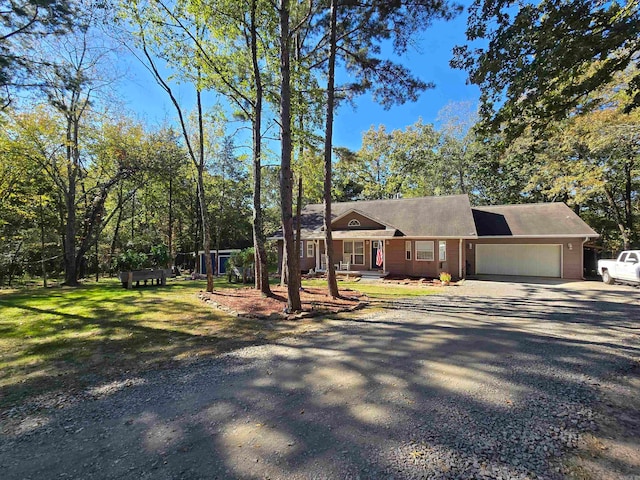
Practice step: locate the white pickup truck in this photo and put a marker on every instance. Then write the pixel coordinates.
(625, 269)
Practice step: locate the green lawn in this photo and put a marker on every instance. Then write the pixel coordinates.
(68, 338)
(380, 291)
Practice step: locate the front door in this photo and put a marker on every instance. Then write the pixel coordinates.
(375, 246)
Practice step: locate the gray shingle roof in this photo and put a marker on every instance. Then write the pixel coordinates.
(533, 220)
(444, 216)
(452, 216)
(347, 234)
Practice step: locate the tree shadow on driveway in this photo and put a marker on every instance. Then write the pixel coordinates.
(435, 387)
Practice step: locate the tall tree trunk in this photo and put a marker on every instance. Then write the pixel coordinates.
(170, 226)
(97, 259)
(620, 219)
(133, 216)
(70, 261)
(261, 267)
(12, 265)
(206, 233)
(286, 190)
(93, 217)
(332, 282)
(42, 255)
(299, 230)
(116, 229)
(196, 229)
(628, 202)
(283, 266)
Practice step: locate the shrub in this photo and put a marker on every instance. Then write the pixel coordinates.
(445, 277)
(160, 255)
(242, 259)
(130, 260)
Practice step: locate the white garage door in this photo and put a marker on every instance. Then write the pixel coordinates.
(526, 260)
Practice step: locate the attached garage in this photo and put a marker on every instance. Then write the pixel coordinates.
(524, 260)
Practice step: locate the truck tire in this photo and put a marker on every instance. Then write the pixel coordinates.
(606, 278)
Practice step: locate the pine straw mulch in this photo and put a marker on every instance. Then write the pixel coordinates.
(415, 281)
(250, 303)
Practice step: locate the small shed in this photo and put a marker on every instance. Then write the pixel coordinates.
(219, 259)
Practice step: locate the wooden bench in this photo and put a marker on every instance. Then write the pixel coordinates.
(160, 276)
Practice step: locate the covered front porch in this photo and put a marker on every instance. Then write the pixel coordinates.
(357, 253)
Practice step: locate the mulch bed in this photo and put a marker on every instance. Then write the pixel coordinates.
(250, 303)
(402, 280)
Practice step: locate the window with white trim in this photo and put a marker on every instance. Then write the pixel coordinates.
(353, 223)
(442, 250)
(353, 252)
(311, 250)
(424, 250)
(407, 250)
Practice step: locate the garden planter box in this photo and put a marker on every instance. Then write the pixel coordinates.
(160, 276)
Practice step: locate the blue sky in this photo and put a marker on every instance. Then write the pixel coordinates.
(430, 62)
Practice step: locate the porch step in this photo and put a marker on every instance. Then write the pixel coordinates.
(372, 275)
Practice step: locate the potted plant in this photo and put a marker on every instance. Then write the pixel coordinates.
(131, 263)
(130, 260)
(445, 278)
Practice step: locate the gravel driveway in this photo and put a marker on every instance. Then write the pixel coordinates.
(487, 380)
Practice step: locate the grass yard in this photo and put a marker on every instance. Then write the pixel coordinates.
(62, 338)
(68, 339)
(377, 290)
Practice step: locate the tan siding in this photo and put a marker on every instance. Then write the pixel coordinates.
(307, 263)
(394, 256)
(337, 251)
(453, 254)
(572, 259)
(365, 223)
(397, 264)
(470, 256)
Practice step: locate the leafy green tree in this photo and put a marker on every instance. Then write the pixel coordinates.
(415, 161)
(237, 66)
(593, 159)
(22, 24)
(82, 178)
(497, 177)
(175, 36)
(354, 34)
(27, 210)
(227, 44)
(230, 191)
(541, 60)
(457, 120)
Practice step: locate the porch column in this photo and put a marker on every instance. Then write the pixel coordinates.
(460, 252)
(317, 244)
